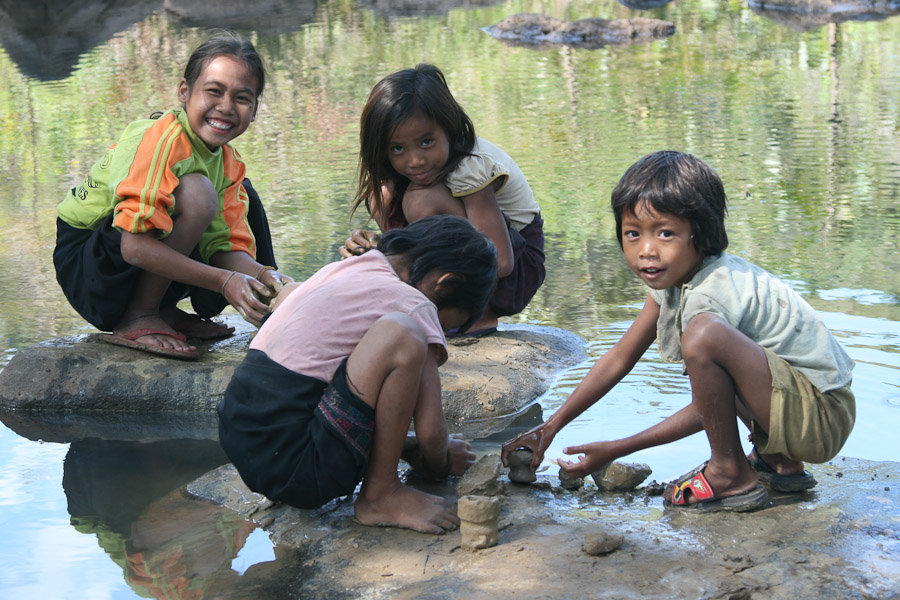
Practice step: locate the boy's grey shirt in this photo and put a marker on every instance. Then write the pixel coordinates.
(763, 308)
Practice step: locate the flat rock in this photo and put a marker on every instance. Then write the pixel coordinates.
(485, 382)
(841, 540)
(541, 30)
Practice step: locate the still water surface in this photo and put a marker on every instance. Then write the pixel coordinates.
(802, 125)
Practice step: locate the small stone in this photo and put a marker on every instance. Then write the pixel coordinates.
(478, 521)
(621, 476)
(601, 542)
(482, 478)
(569, 482)
(520, 466)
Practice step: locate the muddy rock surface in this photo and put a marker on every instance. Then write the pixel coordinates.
(541, 30)
(484, 381)
(841, 540)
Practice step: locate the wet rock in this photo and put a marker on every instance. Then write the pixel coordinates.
(520, 466)
(601, 542)
(569, 482)
(482, 478)
(541, 30)
(485, 381)
(620, 476)
(804, 546)
(478, 521)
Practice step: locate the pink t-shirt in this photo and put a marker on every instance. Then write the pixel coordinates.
(318, 325)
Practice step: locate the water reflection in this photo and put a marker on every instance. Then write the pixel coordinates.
(130, 496)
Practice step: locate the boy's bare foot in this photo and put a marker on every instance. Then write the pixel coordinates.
(407, 508)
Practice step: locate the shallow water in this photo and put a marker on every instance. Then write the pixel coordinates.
(803, 126)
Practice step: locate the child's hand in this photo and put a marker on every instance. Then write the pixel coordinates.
(274, 281)
(461, 456)
(359, 242)
(593, 458)
(537, 440)
(243, 293)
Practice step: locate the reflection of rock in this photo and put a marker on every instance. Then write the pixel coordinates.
(495, 376)
(644, 4)
(270, 16)
(540, 30)
(47, 38)
(806, 15)
(406, 8)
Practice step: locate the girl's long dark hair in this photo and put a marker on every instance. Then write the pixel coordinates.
(448, 244)
(419, 91)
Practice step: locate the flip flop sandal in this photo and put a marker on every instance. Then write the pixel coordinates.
(799, 482)
(695, 484)
(128, 341)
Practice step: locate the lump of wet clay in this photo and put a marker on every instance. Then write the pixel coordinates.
(478, 521)
(520, 466)
(569, 482)
(601, 542)
(482, 478)
(620, 476)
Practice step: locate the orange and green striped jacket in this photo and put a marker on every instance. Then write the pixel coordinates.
(137, 176)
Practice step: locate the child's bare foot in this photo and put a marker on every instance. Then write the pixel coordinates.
(407, 508)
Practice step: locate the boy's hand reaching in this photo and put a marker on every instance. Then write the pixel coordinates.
(359, 242)
(461, 456)
(593, 457)
(537, 440)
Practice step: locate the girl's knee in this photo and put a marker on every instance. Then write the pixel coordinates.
(196, 197)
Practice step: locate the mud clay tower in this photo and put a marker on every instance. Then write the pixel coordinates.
(520, 466)
(478, 521)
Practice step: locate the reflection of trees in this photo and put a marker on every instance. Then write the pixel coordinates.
(802, 128)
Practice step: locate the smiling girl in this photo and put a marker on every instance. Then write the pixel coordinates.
(753, 349)
(167, 213)
(419, 156)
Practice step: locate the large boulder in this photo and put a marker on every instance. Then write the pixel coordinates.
(536, 29)
(486, 380)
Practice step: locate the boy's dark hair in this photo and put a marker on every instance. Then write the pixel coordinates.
(448, 244)
(677, 184)
(226, 43)
(403, 94)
